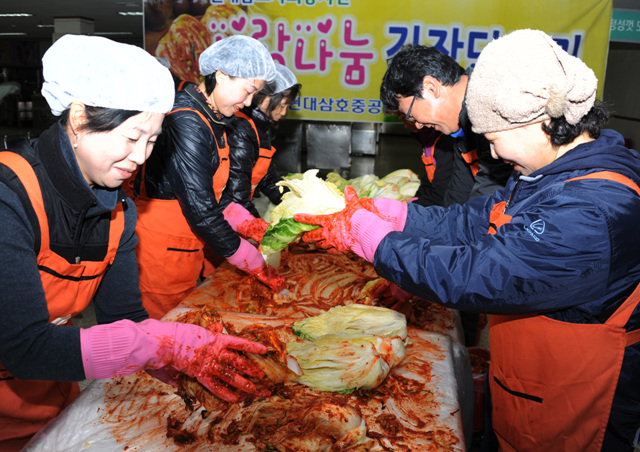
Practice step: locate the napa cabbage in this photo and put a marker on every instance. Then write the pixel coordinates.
(307, 194)
(354, 319)
(345, 362)
(348, 347)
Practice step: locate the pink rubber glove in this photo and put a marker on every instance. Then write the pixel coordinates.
(392, 211)
(124, 347)
(354, 228)
(244, 223)
(247, 258)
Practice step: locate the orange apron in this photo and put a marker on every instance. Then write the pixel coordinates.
(170, 256)
(27, 405)
(221, 175)
(265, 156)
(429, 166)
(429, 160)
(128, 184)
(552, 383)
(471, 157)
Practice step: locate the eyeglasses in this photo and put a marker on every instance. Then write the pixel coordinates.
(408, 116)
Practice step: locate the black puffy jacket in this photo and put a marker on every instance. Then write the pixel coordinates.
(183, 163)
(243, 154)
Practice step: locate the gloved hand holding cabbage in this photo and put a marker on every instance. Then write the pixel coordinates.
(310, 195)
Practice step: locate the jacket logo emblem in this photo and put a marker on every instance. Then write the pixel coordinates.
(537, 226)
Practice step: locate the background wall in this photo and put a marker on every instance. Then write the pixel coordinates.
(622, 90)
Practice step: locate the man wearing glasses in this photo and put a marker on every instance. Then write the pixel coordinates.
(428, 88)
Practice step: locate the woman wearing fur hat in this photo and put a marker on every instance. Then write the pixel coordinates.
(554, 256)
(68, 238)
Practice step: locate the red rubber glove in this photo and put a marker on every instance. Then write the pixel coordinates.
(335, 231)
(354, 228)
(390, 210)
(394, 296)
(124, 347)
(244, 223)
(248, 259)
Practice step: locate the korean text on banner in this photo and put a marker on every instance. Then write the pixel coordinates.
(338, 48)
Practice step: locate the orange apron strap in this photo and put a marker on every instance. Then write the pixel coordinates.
(221, 176)
(622, 314)
(261, 167)
(429, 160)
(610, 175)
(253, 124)
(497, 217)
(206, 121)
(129, 184)
(471, 158)
(264, 156)
(429, 166)
(633, 337)
(116, 228)
(25, 172)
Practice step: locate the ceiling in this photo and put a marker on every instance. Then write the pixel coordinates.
(105, 14)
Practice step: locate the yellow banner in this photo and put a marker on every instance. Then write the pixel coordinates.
(338, 48)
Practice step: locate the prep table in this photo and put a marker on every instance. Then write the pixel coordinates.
(139, 413)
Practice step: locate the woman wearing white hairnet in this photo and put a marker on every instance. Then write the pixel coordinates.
(178, 194)
(250, 149)
(68, 237)
(554, 257)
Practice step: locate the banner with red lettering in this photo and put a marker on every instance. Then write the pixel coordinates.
(338, 48)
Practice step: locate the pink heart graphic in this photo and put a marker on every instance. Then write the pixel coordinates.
(325, 27)
(239, 23)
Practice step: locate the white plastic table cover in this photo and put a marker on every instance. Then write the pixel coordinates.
(131, 413)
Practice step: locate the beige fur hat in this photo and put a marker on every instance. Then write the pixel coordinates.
(526, 77)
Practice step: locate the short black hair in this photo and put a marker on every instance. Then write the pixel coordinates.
(210, 83)
(407, 68)
(561, 132)
(101, 119)
(289, 94)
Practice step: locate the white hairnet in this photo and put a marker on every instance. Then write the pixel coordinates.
(285, 79)
(102, 73)
(238, 56)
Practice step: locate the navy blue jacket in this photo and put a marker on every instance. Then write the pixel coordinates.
(570, 252)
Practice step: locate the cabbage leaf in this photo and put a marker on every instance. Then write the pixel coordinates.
(348, 347)
(354, 319)
(307, 194)
(344, 362)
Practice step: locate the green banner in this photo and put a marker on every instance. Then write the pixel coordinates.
(625, 25)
